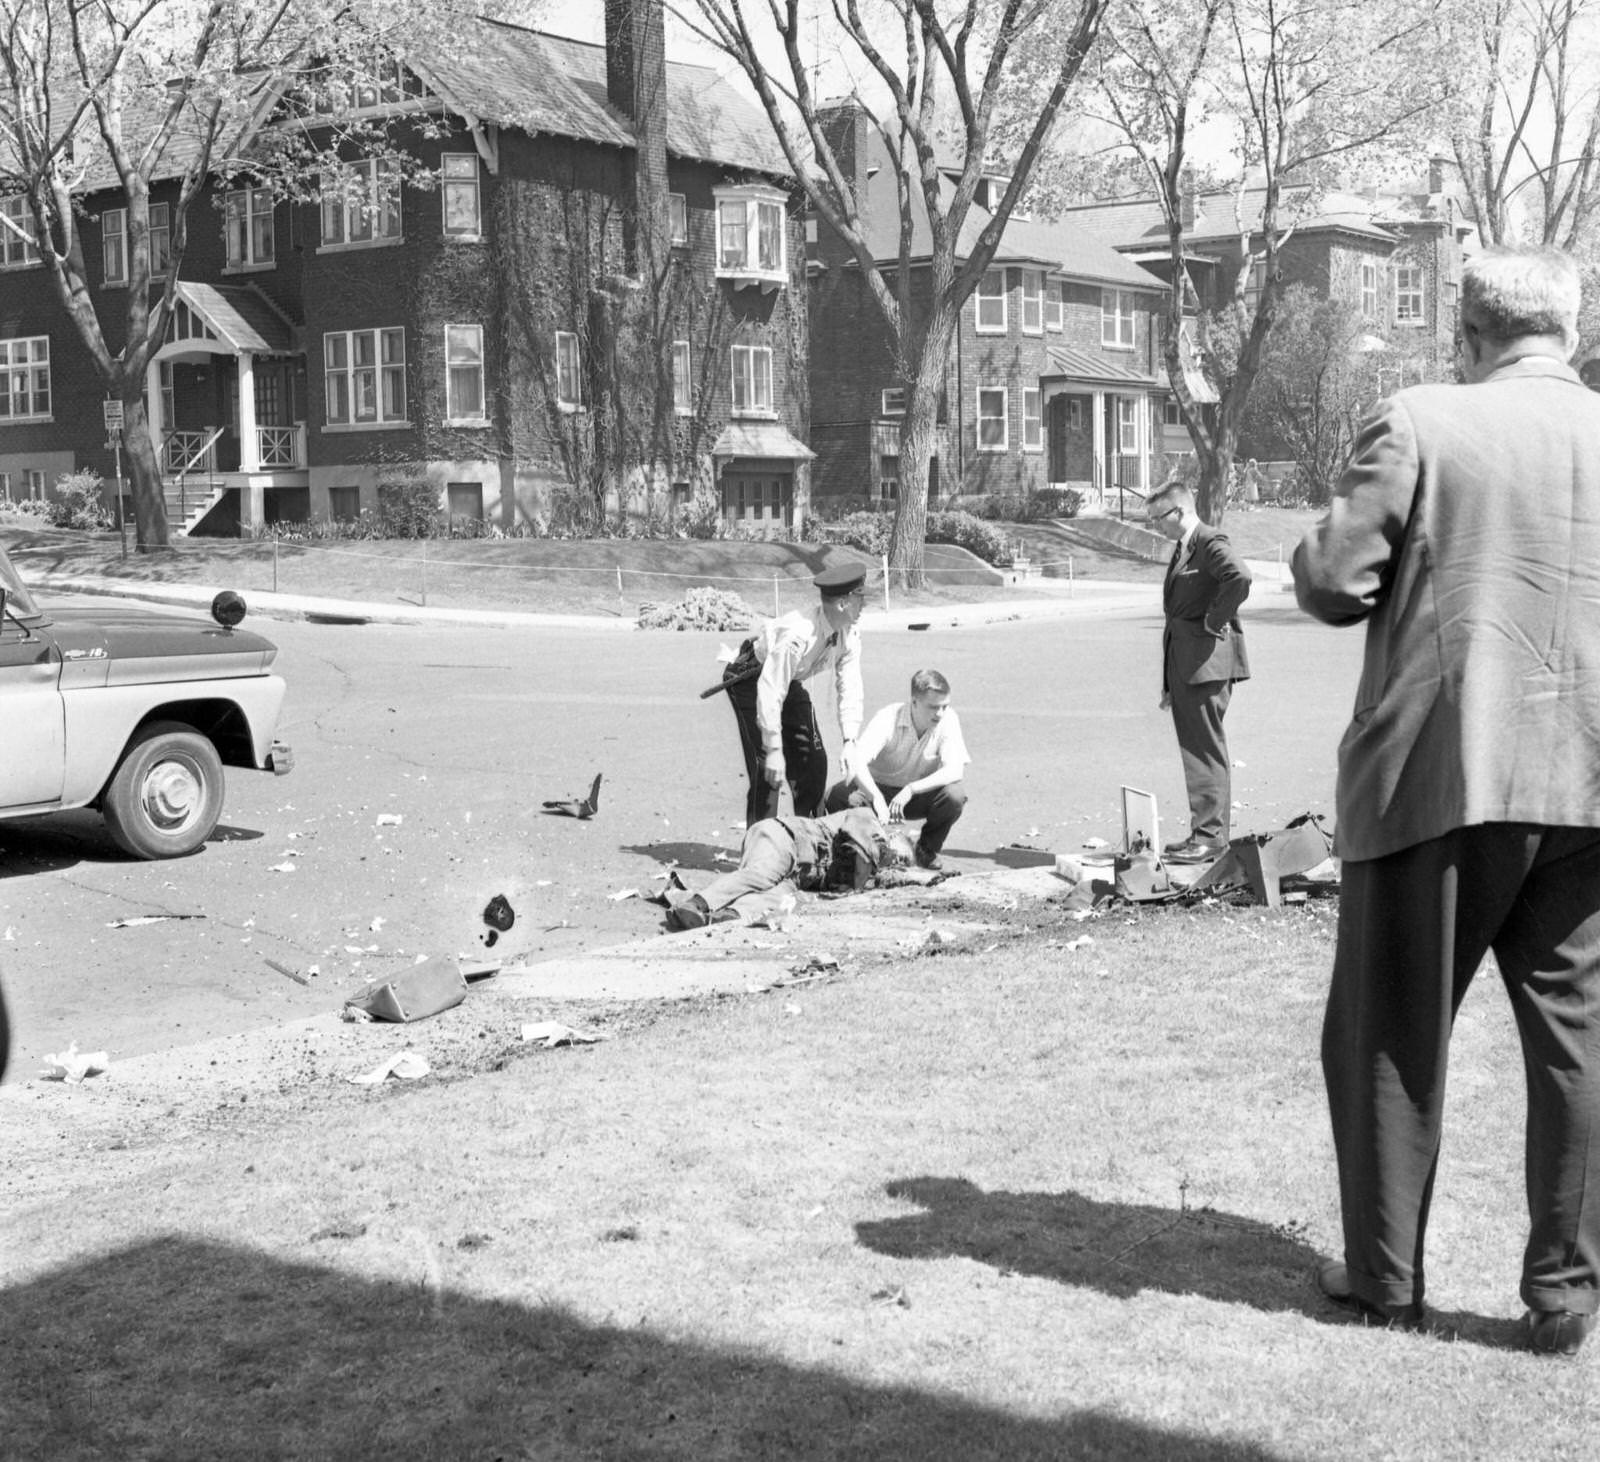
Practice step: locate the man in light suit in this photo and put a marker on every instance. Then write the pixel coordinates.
(1202, 655)
(1465, 532)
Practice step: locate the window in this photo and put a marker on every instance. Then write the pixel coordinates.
(992, 303)
(5, 487)
(15, 250)
(1255, 284)
(569, 374)
(247, 222)
(33, 483)
(750, 234)
(682, 379)
(1408, 295)
(168, 395)
(894, 401)
(463, 208)
(25, 394)
(1032, 420)
(1116, 319)
(752, 380)
(1369, 291)
(364, 375)
(1127, 426)
(992, 434)
(678, 216)
(362, 207)
(463, 372)
(1171, 413)
(160, 238)
(344, 504)
(114, 245)
(888, 479)
(1032, 302)
(1052, 307)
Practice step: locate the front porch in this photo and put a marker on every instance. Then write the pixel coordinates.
(1099, 430)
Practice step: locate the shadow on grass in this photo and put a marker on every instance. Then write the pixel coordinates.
(178, 1348)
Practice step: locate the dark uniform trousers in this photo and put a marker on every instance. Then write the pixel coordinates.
(805, 757)
(937, 809)
(1197, 712)
(1413, 928)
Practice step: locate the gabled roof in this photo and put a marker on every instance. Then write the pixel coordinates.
(1079, 365)
(1060, 246)
(1131, 223)
(240, 316)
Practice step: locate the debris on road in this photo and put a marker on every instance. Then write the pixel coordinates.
(135, 920)
(432, 985)
(499, 916)
(73, 1065)
(281, 868)
(582, 808)
(293, 974)
(390, 819)
(407, 1065)
(551, 1033)
(347, 1229)
(623, 893)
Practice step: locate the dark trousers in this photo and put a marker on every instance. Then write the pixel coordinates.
(805, 758)
(1197, 712)
(938, 809)
(1413, 928)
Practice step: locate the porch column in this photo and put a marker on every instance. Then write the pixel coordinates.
(152, 409)
(1144, 419)
(249, 440)
(1102, 474)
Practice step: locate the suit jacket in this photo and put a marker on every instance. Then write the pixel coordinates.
(1465, 531)
(1201, 598)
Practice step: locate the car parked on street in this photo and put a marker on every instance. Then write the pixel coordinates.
(133, 711)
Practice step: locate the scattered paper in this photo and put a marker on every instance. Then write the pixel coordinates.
(551, 1033)
(623, 893)
(1095, 843)
(723, 857)
(1079, 943)
(135, 920)
(376, 924)
(281, 868)
(389, 819)
(405, 1064)
(72, 1065)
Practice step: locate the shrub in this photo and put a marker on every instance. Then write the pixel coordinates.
(702, 608)
(408, 507)
(1056, 502)
(77, 502)
(971, 533)
(867, 531)
(701, 519)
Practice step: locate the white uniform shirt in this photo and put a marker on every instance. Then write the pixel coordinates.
(796, 646)
(897, 756)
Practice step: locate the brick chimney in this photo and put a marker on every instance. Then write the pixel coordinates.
(636, 85)
(1436, 167)
(845, 126)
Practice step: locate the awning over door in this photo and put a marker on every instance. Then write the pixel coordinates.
(768, 439)
(238, 317)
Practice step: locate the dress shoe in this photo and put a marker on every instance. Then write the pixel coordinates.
(1193, 850)
(931, 861)
(690, 913)
(1558, 1332)
(1333, 1279)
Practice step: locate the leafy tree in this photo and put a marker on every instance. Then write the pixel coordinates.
(950, 86)
(127, 94)
(1304, 90)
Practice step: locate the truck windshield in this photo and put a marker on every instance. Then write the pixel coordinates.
(19, 601)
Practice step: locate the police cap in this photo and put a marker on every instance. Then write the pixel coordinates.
(838, 580)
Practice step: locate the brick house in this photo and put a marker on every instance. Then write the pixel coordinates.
(1054, 378)
(496, 332)
(1395, 252)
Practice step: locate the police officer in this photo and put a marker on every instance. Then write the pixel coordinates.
(778, 728)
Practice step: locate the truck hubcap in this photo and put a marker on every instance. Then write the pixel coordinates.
(172, 793)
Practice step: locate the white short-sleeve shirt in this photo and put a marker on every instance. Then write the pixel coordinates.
(896, 755)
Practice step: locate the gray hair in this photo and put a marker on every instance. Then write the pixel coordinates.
(1507, 294)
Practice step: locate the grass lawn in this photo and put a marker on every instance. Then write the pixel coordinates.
(1030, 1200)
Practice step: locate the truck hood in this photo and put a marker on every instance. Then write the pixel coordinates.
(161, 645)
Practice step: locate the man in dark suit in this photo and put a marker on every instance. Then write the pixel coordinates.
(1465, 531)
(1202, 655)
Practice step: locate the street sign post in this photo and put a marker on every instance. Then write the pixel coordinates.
(112, 412)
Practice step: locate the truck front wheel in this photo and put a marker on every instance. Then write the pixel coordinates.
(165, 797)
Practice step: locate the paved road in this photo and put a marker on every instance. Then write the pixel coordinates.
(462, 733)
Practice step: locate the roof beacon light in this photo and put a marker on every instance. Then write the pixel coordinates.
(227, 608)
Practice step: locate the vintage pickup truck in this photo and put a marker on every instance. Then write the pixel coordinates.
(133, 711)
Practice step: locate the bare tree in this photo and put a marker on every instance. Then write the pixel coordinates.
(128, 94)
(968, 89)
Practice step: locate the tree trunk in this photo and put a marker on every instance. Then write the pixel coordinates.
(144, 475)
(909, 537)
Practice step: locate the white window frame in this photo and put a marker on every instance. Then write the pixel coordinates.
(569, 371)
(1117, 320)
(1127, 426)
(678, 218)
(459, 175)
(114, 226)
(1032, 302)
(17, 253)
(1369, 289)
(365, 364)
(160, 216)
(982, 297)
(1004, 418)
(1408, 300)
(893, 401)
(752, 371)
(25, 379)
(374, 209)
(250, 230)
(1053, 301)
(463, 356)
(682, 378)
(752, 235)
(1032, 419)
(33, 483)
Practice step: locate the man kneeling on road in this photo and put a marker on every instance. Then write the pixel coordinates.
(909, 763)
(840, 851)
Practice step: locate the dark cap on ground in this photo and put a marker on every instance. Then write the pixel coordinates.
(840, 579)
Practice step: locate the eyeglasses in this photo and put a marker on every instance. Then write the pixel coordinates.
(1166, 513)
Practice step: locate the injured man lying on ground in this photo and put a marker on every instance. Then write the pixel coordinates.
(842, 851)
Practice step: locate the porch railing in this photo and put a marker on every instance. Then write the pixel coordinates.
(281, 446)
(189, 451)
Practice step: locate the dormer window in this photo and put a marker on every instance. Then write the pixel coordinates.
(751, 236)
